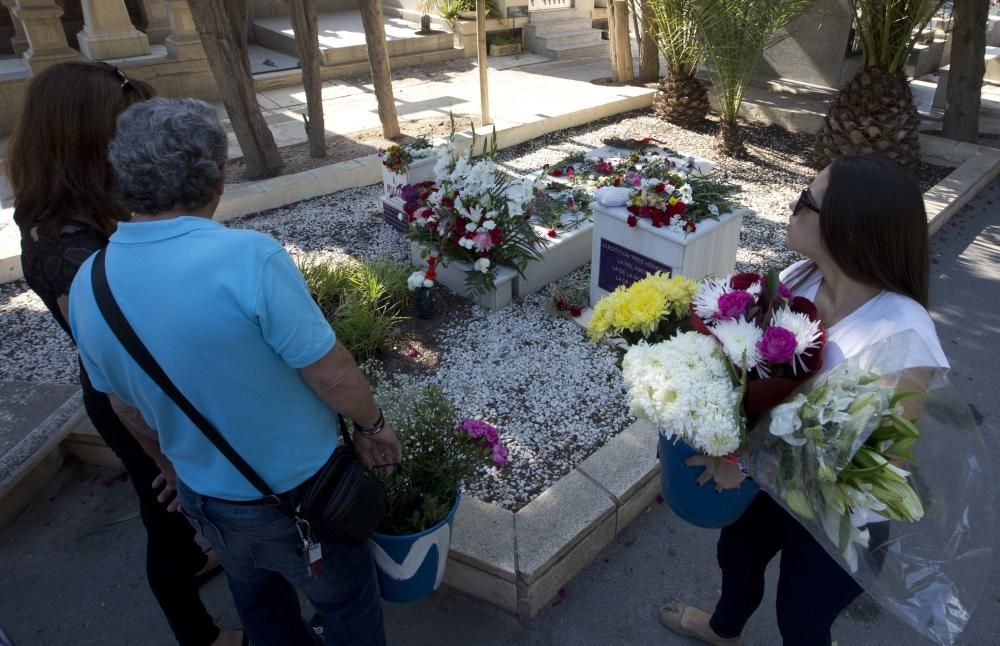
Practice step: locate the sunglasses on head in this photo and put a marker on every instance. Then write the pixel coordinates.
(126, 84)
(806, 201)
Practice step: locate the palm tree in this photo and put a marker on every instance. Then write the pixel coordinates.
(736, 33)
(681, 98)
(875, 113)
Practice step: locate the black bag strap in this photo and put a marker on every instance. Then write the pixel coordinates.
(137, 350)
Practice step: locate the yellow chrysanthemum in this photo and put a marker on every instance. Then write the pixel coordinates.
(641, 307)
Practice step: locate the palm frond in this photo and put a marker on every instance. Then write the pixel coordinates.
(888, 29)
(675, 31)
(736, 33)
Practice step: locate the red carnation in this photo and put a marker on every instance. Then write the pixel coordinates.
(556, 172)
(632, 220)
(659, 188)
(575, 310)
(681, 208)
(447, 201)
(657, 218)
(690, 227)
(496, 237)
(460, 226)
(552, 233)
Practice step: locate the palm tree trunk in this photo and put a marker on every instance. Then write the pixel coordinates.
(649, 55)
(622, 70)
(304, 23)
(965, 79)
(729, 141)
(222, 25)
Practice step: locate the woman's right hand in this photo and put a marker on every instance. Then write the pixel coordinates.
(726, 474)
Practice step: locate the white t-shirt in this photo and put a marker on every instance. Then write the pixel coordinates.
(886, 314)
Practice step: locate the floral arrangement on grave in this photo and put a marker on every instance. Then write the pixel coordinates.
(652, 309)
(557, 209)
(439, 452)
(761, 343)
(397, 158)
(420, 282)
(667, 189)
(475, 214)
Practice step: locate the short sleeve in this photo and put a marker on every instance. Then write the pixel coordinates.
(290, 321)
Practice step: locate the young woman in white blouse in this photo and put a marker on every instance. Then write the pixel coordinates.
(862, 227)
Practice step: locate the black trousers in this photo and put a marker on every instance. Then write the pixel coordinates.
(173, 558)
(812, 588)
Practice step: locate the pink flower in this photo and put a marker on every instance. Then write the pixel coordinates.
(482, 241)
(734, 304)
(500, 456)
(777, 345)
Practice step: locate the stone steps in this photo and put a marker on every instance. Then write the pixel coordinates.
(563, 34)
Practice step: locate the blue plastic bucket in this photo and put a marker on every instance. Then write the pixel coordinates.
(700, 506)
(411, 567)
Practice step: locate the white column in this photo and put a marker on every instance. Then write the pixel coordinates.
(157, 23)
(46, 40)
(19, 42)
(108, 31)
(183, 41)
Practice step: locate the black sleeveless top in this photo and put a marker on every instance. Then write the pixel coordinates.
(50, 265)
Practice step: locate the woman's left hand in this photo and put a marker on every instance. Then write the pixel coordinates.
(725, 474)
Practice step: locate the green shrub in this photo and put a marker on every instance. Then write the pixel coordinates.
(362, 301)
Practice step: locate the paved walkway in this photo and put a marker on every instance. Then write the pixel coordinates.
(71, 566)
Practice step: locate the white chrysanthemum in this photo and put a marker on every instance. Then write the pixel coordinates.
(710, 290)
(806, 331)
(489, 225)
(739, 340)
(415, 280)
(483, 265)
(683, 386)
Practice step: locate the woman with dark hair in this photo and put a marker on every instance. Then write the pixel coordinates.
(862, 227)
(65, 209)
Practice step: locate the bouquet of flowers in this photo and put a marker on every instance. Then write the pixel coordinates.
(772, 340)
(857, 449)
(556, 209)
(651, 309)
(475, 214)
(397, 158)
(684, 386)
(439, 451)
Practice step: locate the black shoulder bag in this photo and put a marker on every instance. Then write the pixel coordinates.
(343, 502)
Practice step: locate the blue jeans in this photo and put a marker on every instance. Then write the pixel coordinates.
(260, 550)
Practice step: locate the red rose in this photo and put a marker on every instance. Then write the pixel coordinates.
(632, 220)
(645, 212)
(690, 226)
(657, 218)
(575, 310)
(556, 172)
(552, 233)
(561, 305)
(496, 237)
(447, 201)
(659, 188)
(681, 208)
(460, 226)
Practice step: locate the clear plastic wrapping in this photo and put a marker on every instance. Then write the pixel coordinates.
(926, 555)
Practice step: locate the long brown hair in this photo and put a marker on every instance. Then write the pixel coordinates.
(874, 226)
(57, 158)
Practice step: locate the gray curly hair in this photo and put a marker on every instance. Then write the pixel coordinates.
(166, 154)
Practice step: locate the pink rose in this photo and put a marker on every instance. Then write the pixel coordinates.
(778, 345)
(734, 304)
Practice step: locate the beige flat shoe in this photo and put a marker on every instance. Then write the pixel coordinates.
(672, 616)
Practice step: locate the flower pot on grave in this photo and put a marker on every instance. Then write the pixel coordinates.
(425, 303)
(411, 567)
(622, 254)
(700, 506)
(421, 170)
(452, 276)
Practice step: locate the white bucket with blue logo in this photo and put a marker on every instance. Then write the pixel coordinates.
(411, 567)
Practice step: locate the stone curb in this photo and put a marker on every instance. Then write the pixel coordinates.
(977, 166)
(31, 463)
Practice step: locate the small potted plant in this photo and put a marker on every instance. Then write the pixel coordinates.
(411, 547)
(505, 45)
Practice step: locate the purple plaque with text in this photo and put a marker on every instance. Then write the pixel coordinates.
(619, 266)
(391, 216)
